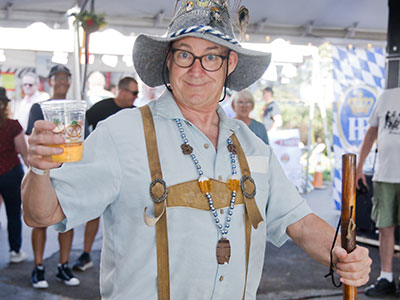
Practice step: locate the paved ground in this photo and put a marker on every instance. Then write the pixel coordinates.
(288, 272)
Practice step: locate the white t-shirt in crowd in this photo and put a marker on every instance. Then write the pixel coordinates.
(386, 116)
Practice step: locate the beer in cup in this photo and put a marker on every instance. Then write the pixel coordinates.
(69, 118)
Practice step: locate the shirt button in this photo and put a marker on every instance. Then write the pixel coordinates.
(221, 278)
(206, 146)
(221, 211)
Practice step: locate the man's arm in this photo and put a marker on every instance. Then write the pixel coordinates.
(315, 237)
(39, 199)
(277, 121)
(369, 139)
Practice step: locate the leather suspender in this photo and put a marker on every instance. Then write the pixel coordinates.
(252, 215)
(159, 207)
(159, 195)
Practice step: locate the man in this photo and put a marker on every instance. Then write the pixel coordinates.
(59, 80)
(30, 86)
(271, 117)
(156, 238)
(242, 104)
(127, 94)
(386, 183)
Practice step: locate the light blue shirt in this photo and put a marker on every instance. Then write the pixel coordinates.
(113, 180)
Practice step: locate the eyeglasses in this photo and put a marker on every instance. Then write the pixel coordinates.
(28, 84)
(134, 93)
(244, 103)
(209, 62)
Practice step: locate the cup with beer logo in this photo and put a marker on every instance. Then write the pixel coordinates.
(69, 118)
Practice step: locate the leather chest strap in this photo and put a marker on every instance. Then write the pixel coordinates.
(159, 204)
(252, 215)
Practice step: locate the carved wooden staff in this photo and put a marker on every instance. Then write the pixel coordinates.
(348, 216)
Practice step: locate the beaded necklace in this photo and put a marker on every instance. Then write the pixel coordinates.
(223, 246)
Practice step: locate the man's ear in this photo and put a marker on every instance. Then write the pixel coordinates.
(233, 61)
(49, 81)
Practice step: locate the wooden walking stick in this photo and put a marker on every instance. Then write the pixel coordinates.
(348, 216)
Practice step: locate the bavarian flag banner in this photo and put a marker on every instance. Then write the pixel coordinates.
(358, 80)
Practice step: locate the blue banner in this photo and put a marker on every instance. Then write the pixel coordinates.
(358, 80)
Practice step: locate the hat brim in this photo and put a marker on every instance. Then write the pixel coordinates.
(3, 98)
(149, 55)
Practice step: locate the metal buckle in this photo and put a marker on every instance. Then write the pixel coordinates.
(164, 194)
(242, 182)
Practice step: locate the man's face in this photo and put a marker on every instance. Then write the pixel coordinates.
(267, 95)
(130, 94)
(60, 82)
(29, 85)
(194, 86)
(243, 107)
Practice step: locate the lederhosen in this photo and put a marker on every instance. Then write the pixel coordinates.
(171, 196)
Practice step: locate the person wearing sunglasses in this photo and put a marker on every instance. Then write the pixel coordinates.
(59, 79)
(30, 87)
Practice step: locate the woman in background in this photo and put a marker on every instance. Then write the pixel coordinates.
(243, 104)
(12, 142)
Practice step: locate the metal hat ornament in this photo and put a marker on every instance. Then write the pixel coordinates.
(205, 19)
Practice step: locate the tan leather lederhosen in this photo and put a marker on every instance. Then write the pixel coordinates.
(176, 195)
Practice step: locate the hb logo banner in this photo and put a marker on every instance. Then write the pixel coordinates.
(358, 80)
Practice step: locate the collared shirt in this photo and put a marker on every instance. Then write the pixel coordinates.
(113, 180)
(22, 114)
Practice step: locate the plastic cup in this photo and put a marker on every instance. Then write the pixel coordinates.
(69, 117)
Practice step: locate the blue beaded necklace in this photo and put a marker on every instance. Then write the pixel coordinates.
(223, 246)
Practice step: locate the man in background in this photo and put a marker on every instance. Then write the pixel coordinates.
(30, 86)
(127, 94)
(60, 81)
(385, 213)
(271, 116)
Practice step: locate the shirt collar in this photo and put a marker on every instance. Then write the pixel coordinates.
(166, 107)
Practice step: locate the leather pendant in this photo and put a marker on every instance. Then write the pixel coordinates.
(223, 251)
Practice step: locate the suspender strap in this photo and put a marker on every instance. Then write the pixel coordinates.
(158, 192)
(252, 215)
(248, 186)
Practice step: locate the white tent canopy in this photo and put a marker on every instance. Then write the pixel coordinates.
(301, 21)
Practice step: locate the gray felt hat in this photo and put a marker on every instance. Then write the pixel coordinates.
(206, 19)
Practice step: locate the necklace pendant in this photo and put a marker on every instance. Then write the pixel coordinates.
(223, 251)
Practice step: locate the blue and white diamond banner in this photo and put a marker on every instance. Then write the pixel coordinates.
(358, 80)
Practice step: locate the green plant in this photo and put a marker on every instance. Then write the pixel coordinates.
(91, 22)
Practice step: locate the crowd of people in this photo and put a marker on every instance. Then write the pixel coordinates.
(197, 182)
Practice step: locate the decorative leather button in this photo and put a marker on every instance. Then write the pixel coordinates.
(248, 186)
(158, 190)
(221, 278)
(206, 146)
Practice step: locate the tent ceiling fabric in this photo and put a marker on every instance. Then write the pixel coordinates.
(337, 20)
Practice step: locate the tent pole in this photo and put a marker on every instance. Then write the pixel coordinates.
(76, 68)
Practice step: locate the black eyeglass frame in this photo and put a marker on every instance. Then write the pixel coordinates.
(223, 57)
(134, 93)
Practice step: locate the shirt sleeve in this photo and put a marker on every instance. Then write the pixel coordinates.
(84, 189)
(275, 109)
(34, 115)
(373, 119)
(16, 128)
(285, 205)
